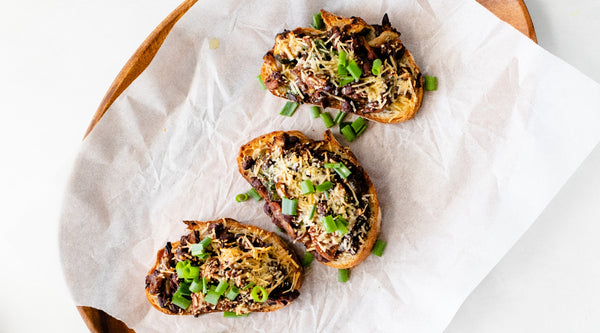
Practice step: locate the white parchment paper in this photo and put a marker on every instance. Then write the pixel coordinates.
(458, 184)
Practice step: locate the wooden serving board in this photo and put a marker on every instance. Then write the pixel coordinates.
(513, 12)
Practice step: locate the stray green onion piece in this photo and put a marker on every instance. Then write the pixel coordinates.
(343, 275)
(430, 83)
(308, 259)
(232, 293)
(312, 212)
(241, 197)
(326, 117)
(354, 70)
(315, 111)
(317, 21)
(348, 133)
(222, 287)
(288, 109)
(184, 289)
(196, 285)
(249, 285)
(289, 206)
(307, 187)
(344, 80)
(258, 289)
(342, 170)
(204, 285)
(376, 68)
(329, 224)
(181, 301)
(230, 314)
(342, 59)
(378, 248)
(327, 185)
(254, 194)
(339, 117)
(358, 123)
(212, 297)
(262, 83)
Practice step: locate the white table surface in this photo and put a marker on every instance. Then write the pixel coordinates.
(58, 58)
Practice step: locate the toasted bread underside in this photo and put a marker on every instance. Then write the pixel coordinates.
(238, 254)
(276, 164)
(303, 66)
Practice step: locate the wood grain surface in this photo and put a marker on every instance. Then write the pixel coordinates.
(513, 12)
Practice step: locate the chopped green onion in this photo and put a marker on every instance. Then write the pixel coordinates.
(312, 212)
(342, 170)
(326, 117)
(344, 80)
(184, 289)
(263, 292)
(222, 287)
(262, 83)
(348, 133)
(339, 117)
(232, 292)
(343, 275)
(361, 130)
(181, 301)
(197, 249)
(330, 165)
(340, 219)
(327, 185)
(289, 206)
(249, 285)
(329, 224)
(229, 314)
(358, 123)
(376, 68)
(341, 227)
(212, 297)
(430, 83)
(206, 242)
(379, 247)
(317, 21)
(308, 259)
(342, 59)
(204, 285)
(254, 194)
(315, 111)
(241, 197)
(196, 285)
(288, 109)
(307, 187)
(354, 70)
(180, 267)
(326, 195)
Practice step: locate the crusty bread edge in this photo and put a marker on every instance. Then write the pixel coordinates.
(262, 233)
(262, 142)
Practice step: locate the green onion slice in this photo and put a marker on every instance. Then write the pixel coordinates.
(258, 289)
(342, 170)
(344, 80)
(180, 267)
(184, 289)
(342, 59)
(212, 297)
(308, 259)
(249, 285)
(329, 224)
(326, 117)
(230, 314)
(288, 109)
(339, 117)
(252, 193)
(312, 212)
(241, 197)
(289, 206)
(204, 285)
(354, 70)
(376, 68)
(430, 83)
(315, 111)
(327, 185)
(358, 124)
(343, 275)
(317, 21)
(307, 187)
(196, 285)
(222, 287)
(262, 83)
(181, 301)
(378, 248)
(206, 242)
(348, 133)
(341, 227)
(361, 130)
(232, 293)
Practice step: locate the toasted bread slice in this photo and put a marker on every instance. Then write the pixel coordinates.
(238, 254)
(279, 164)
(307, 66)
